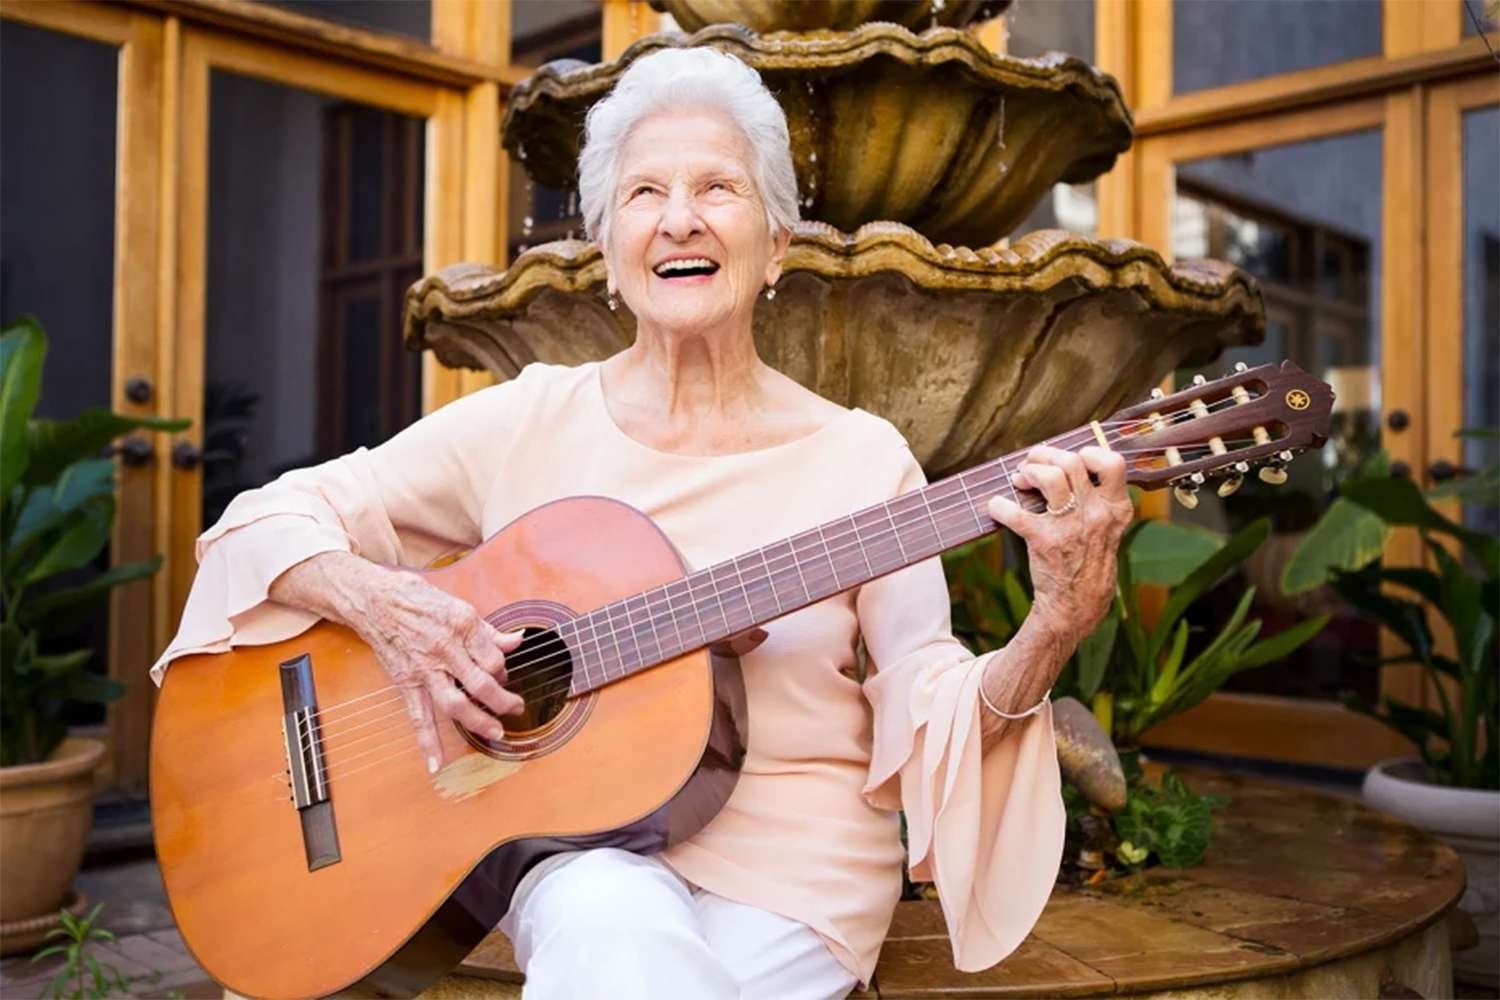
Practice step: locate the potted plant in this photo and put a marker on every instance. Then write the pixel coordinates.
(1452, 787)
(1135, 671)
(57, 508)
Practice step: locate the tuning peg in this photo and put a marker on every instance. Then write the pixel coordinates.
(1274, 474)
(1240, 367)
(1157, 393)
(1200, 380)
(1235, 480)
(1187, 495)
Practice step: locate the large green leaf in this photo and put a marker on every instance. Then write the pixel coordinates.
(47, 507)
(23, 348)
(1347, 537)
(39, 609)
(58, 664)
(1405, 618)
(1460, 604)
(84, 536)
(1482, 487)
(1399, 501)
(1282, 644)
(1094, 656)
(1165, 552)
(1208, 573)
(57, 444)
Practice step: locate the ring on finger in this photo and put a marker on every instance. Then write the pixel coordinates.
(1066, 508)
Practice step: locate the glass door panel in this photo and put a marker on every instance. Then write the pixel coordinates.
(315, 230)
(1481, 298)
(57, 240)
(1304, 219)
(1215, 43)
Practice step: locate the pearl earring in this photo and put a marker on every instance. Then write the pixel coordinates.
(613, 302)
(770, 294)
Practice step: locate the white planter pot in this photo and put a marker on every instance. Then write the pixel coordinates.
(1467, 819)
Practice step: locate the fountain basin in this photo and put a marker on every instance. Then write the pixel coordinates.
(832, 15)
(931, 130)
(970, 353)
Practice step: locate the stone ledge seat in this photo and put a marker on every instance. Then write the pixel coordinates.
(1301, 895)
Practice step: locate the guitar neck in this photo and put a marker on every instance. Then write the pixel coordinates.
(713, 604)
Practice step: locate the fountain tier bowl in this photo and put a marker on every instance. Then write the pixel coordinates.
(930, 130)
(833, 15)
(971, 354)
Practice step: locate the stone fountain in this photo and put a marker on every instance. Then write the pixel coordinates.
(917, 153)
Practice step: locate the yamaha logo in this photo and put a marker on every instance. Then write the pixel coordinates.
(1298, 399)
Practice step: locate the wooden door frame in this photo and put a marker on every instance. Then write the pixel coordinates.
(140, 39)
(204, 50)
(1288, 729)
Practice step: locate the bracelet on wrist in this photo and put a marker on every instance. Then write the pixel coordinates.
(1011, 715)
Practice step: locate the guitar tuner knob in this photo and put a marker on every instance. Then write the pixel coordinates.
(1187, 496)
(1230, 484)
(1275, 475)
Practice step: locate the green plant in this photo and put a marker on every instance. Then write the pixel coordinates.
(84, 973)
(1132, 671)
(57, 507)
(1461, 741)
(1170, 821)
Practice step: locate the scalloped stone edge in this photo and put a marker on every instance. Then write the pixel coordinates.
(1030, 264)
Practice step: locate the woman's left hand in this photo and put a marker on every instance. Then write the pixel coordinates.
(1073, 545)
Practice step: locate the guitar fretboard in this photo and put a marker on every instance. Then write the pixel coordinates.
(712, 604)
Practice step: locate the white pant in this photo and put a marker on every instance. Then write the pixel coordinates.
(608, 923)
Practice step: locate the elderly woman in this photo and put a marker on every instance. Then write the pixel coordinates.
(687, 182)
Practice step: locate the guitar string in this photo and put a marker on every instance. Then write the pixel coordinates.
(533, 667)
(538, 669)
(1083, 434)
(394, 748)
(541, 668)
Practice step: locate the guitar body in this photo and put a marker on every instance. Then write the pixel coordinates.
(398, 874)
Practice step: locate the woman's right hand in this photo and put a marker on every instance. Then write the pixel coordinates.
(428, 641)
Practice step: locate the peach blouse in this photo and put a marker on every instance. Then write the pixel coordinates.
(811, 830)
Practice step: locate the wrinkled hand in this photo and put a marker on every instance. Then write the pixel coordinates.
(429, 642)
(1072, 554)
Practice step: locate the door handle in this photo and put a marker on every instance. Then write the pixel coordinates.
(186, 455)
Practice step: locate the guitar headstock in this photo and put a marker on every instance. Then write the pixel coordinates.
(1222, 428)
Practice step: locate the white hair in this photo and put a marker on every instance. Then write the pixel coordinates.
(687, 78)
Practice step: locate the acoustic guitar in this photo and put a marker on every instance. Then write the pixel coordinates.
(307, 850)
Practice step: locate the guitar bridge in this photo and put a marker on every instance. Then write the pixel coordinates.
(302, 733)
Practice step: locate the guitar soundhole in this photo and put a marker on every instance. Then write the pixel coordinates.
(541, 671)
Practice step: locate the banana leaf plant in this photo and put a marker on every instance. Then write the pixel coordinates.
(1458, 741)
(1134, 671)
(57, 508)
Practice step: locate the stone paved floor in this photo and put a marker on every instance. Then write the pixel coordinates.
(150, 952)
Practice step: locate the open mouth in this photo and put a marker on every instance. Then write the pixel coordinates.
(685, 267)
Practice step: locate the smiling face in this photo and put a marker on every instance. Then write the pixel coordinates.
(687, 246)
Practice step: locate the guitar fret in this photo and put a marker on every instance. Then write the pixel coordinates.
(896, 531)
(828, 554)
(770, 579)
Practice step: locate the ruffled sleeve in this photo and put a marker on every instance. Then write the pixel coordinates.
(406, 502)
(987, 828)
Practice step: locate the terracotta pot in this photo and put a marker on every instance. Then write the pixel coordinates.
(1469, 820)
(45, 811)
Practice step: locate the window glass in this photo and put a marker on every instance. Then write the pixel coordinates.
(412, 18)
(57, 234)
(1219, 42)
(1304, 219)
(1481, 284)
(314, 235)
